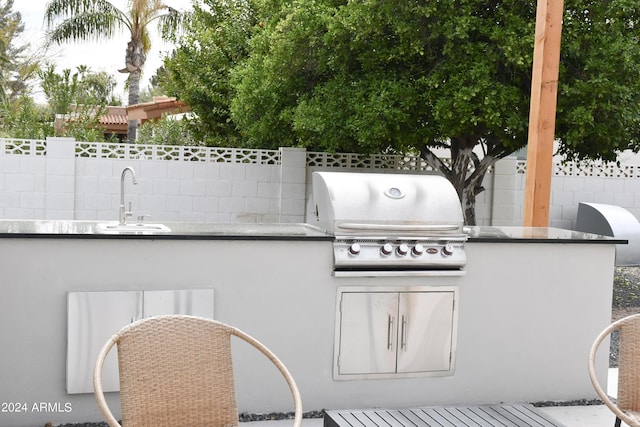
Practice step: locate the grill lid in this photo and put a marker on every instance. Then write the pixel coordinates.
(369, 203)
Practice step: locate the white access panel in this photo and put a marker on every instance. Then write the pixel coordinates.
(92, 317)
(195, 302)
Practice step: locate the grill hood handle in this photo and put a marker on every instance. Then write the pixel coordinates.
(398, 227)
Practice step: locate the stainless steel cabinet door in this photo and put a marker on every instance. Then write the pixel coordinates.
(392, 333)
(425, 331)
(368, 332)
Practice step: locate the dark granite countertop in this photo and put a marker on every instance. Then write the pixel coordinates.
(173, 230)
(271, 231)
(536, 235)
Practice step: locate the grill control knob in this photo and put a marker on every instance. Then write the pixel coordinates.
(386, 249)
(417, 250)
(447, 250)
(354, 249)
(402, 249)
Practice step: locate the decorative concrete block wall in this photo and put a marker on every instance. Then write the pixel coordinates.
(59, 180)
(63, 179)
(22, 179)
(185, 191)
(606, 183)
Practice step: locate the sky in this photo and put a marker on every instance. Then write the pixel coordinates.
(106, 55)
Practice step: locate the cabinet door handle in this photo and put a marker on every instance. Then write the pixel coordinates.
(390, 322)
(403, 333)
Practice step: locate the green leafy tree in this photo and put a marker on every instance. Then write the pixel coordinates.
(26, 120)
(18, 64)
(83, 124)
(77, 100)
(71, 20)
(61, 90)
(166, 131)
(96, 88)
(418, 76)
(215, 40)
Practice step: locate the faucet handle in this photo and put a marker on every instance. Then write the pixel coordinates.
(141, 218)
(129, 212)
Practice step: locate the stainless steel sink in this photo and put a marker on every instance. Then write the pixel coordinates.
(115, 228)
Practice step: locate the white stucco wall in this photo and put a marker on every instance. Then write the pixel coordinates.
(528, 313)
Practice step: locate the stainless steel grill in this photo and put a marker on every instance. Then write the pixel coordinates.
(390, 222)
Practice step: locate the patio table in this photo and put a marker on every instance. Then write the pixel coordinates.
(507, 415)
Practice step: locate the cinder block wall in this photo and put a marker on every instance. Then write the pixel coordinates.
(188, 191)
(64, 179)
(62, 185)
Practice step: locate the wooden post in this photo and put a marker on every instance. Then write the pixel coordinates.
(542, 113)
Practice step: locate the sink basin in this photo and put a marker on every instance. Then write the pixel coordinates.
(115, 228)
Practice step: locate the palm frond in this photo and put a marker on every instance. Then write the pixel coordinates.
(172, 22)
(86, 26)
(101, 17)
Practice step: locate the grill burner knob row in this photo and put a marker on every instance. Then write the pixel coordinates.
(417, 250)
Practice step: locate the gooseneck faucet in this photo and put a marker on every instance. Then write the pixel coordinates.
(124, 214)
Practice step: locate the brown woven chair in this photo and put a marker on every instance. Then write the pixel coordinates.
(177, 371)
(627, 405)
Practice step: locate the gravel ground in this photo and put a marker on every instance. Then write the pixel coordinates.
(243, 417)
(626, 301)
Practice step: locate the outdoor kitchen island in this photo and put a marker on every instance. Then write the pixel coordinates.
(527, 306)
